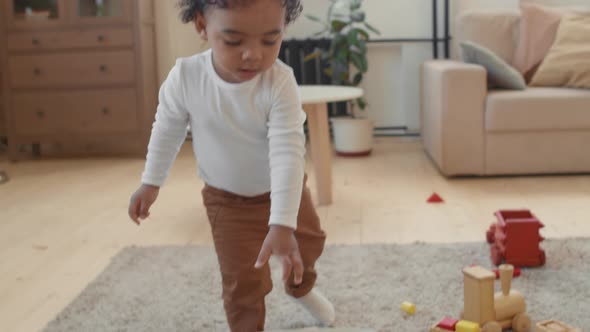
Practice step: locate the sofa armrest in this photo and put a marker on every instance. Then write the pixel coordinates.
(452, 115)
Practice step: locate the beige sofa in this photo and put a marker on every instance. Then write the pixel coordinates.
(468, 130)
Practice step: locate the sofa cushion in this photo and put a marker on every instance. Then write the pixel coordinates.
(568, 61)
(538, 28)
(500, 74)
(537, 109)
(496, 30)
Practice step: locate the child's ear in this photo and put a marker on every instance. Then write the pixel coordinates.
(201, 25)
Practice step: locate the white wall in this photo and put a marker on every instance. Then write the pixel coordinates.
(173, 38)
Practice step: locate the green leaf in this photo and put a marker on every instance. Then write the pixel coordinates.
(363, 48)
(357, 79)
(312, 56)
(356, 61)
(365, 64)
(313, 18)
(359, 61)
(355, 49)
(339, 40)
(353, 37)
(370, 27)
(362, 103)
(338, 43)
(359, 45)
(338, 25)
(343, 55)
(363, 34)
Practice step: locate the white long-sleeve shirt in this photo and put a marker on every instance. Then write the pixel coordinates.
(247, 137)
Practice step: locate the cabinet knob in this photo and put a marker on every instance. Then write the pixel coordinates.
(35, 41)
(103, 68)
(105, 110)
(37, 71)
(100, 38)
(40, 114)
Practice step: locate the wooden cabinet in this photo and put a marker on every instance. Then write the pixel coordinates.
(3, 133)
(79, 76)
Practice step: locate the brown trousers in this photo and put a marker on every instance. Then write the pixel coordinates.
(239, 225)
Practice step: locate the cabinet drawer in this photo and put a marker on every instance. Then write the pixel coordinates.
(108, 111)
(88, 38)
(80, 112)
(40, 114)
(72, 69)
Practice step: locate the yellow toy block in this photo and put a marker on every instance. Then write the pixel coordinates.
(466, 326)
(409, 308)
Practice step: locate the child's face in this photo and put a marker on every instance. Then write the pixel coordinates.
(245, 40)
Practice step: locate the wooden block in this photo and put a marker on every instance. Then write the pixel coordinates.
(552, 325)
(409, 308)
(448, 323)
(478, 294)
(466, 326)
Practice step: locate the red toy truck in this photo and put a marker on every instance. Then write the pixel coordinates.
(514, 239)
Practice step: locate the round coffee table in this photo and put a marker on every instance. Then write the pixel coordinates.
(315, 99)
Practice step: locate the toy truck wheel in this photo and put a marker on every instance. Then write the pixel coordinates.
(521, 323)
(496, 255)
(490, 234)
(490, 237)
(491, 327)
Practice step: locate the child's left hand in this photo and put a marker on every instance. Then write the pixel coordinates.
(280, 241)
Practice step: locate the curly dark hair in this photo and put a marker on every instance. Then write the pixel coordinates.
(189, 8)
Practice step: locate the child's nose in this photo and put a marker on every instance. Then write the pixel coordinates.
(252, 54)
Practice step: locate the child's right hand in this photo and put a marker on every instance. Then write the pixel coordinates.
(141, 201)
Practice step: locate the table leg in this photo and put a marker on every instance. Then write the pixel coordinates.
(321, 149)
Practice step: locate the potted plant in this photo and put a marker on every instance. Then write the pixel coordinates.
(346, 57)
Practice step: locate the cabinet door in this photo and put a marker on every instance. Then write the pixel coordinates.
(34, 14)
(97, 12)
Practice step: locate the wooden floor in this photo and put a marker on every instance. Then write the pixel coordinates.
(62, 220)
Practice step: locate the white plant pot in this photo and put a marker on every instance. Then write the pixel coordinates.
(352, 137)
